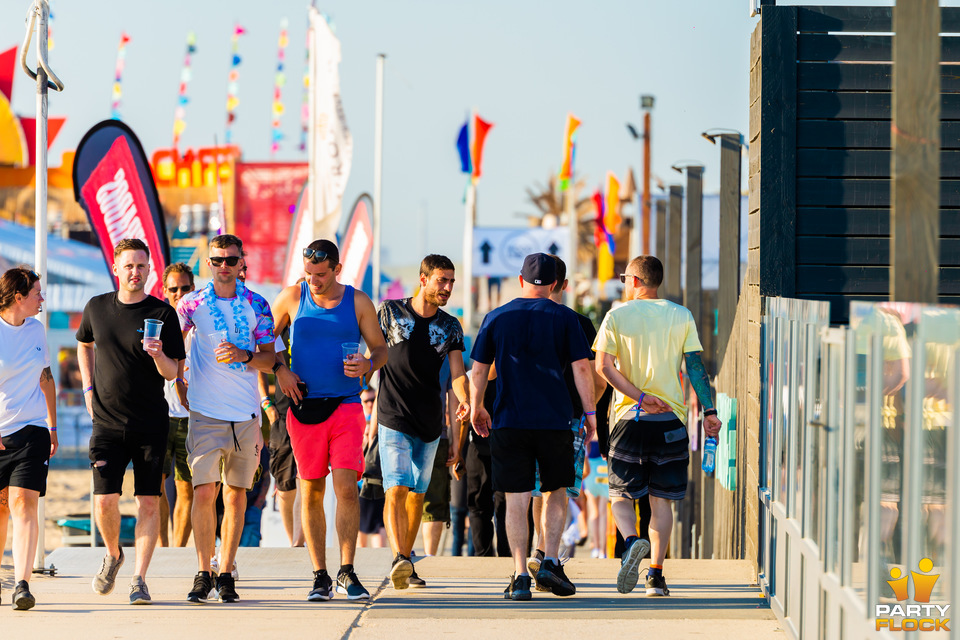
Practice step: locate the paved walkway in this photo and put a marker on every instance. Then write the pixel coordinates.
(713, 598)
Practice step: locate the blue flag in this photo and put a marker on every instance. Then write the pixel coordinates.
(463, 146)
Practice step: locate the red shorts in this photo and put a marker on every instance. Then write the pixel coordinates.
(336, 443)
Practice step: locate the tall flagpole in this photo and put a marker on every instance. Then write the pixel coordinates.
(378, 176)
(470, 219)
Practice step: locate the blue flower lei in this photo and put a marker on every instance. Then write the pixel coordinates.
(242, 336)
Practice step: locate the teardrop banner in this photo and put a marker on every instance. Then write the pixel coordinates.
(113, 183)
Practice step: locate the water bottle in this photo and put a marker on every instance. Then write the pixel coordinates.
(709, 455)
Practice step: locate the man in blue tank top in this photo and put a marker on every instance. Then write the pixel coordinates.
(325, 421)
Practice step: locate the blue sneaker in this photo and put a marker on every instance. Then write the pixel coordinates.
(629, 573)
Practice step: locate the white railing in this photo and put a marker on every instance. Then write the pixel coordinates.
(859, 476)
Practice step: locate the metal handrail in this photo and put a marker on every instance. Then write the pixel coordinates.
(39, 7)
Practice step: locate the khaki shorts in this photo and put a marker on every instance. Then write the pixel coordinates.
(224, 451)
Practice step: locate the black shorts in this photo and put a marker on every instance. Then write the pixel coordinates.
(515, 454)
(112, 449)
(371, 515)
(648, 457)
(25, 458)
(283, 466)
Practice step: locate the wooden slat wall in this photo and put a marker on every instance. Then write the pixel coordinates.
(843, 77)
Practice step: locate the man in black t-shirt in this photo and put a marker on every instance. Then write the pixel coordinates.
(123, 380)
(419, 337)
(532, 339)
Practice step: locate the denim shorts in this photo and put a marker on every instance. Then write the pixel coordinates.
(406, 461)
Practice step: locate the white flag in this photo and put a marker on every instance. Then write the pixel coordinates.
(331, 153)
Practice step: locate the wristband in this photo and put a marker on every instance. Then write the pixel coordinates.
(640, 400)
(709, 412)
(53, 430)
(589, 413)
(276, 366)
(181, 381)
(267, 404)
(249, 356)
(90, 388)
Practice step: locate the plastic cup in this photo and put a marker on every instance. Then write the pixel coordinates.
(218, 338)
(151, 331)
(349, 349)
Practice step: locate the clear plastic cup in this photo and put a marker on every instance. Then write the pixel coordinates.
(218, 338)
(349, 349)
(151, 331)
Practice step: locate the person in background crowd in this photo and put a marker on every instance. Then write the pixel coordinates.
(123, 379)
(177, 282)
(28, 420)
(372, 531)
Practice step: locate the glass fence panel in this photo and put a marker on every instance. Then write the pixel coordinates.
(783, 401)
(894, 325)
(939, 334)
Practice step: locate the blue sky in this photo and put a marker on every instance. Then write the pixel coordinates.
(522, 65)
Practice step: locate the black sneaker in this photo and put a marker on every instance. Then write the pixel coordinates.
(518, 589)
(400, 572)
(226, 588)
(202, 586)
(629, 573)
(656, 585)
(22, 598)
(322, 587)
(416, 581)
(552, 578)
(348, 584)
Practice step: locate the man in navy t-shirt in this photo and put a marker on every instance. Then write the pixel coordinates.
(532, 339)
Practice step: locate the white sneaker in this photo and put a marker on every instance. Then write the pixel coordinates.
(215, 567)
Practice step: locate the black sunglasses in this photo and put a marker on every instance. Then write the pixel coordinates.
(624, 276)
(315, 256)
(230, 260)
(185, 288)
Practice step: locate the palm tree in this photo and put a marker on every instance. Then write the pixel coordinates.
(549, 201)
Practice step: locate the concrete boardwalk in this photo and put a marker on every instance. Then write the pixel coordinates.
(464, 598)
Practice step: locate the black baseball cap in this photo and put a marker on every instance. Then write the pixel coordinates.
(539, 269)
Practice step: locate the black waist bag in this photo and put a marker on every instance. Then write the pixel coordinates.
(316, 410)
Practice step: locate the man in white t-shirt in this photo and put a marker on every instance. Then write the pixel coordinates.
(231, 339)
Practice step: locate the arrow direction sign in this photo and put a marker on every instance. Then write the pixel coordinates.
(499, 251)
(485, 250)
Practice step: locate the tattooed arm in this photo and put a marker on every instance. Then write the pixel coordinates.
(700, 382)
(49, 389)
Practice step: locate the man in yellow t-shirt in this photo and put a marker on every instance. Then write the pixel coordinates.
(640, 347)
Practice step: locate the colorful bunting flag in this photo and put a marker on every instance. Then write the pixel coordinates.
(600, 231)
(611, 216)
(118, 76)
(569, 151)
(480, 130)
(179, 119)
(279, 80)
(232, 84)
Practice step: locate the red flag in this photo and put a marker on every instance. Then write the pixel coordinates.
(480, 129)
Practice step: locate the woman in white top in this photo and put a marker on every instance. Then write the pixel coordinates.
(28, 417)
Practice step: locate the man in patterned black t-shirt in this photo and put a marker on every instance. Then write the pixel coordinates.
(419, 336)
